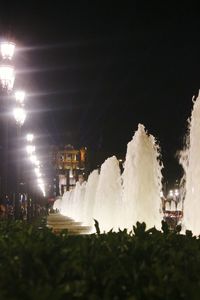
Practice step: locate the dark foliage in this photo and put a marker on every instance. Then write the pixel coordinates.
(146, 264)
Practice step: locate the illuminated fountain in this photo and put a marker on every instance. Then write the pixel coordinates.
(107, 207)
(142, 180)
(120, 201)
(90, 195)
(72, 202)
(190, 160)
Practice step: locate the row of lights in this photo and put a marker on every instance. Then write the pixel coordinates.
(30, 148)
(7, 73)
(173, 193)
(7, 78)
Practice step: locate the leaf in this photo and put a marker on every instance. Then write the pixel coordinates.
(178, 228)
(139, 229)
(96, 224)
(165, 227)
(188, 233)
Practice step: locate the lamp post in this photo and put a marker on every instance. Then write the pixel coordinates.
(20, 116)
(30, 149)
(7, 78)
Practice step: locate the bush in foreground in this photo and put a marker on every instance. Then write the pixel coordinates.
(36, 264)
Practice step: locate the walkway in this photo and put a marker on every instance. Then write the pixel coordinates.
(59, 222)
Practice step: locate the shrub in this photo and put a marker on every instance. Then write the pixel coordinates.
(37, 264)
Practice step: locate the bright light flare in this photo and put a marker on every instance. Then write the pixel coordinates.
(19, 115)
(19, 97)
(7, 50)
(7, 77)
(37, 163)
(29, 137)
(33, 158)
(42, 187)
(37, 172)
(40, 181)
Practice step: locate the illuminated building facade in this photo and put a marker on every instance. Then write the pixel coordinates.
(70, 165)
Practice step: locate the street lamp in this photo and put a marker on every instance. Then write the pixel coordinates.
(7, 50)
(37, 163)
(19, 116)
(19, 97)
(37, 172)
(40, 180)
(33, 159)
(29, 137)
(7, 78)
(30, 149)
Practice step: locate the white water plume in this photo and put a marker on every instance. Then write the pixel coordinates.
(90, 195)
(142, 180)
(190, 160)
(120, 201)
(107, 208)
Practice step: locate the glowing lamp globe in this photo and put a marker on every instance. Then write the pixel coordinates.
(7, 77)
(30, 149)
(7, 50)
(29, 137)
(19, 97)
(19, 115)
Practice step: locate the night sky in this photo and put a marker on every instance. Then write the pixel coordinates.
(93, 72)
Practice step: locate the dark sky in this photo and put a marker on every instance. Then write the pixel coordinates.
(93, 72)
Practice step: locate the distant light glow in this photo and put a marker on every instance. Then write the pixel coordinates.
(30, 149)
(176, 192)
(19, 115)
(7, 50)
(40, 181)
(37, 172)
(33, 158)
(7, 77)
(29, 137)
(37, 163)
(71, 173)
(19, 97)
(171, 193)
(42, 187)
(161, 194)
